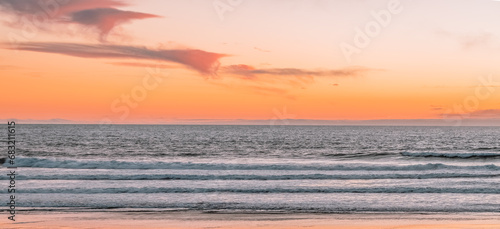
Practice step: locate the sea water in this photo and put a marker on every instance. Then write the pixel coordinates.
(287, 169)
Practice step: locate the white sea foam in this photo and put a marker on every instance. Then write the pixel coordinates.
(451, 155)
(35, 162)
(492, 190)
(366, 176)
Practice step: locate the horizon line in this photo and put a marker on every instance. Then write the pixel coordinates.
(280, 122)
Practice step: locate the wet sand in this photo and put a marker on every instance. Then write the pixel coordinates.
(184, 220)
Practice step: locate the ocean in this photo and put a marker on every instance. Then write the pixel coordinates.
(257, 169)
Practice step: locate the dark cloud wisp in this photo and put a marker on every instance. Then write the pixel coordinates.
(56, 7)
(202, 61)
(250, 71)
(99, 14)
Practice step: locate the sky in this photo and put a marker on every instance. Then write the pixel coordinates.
(236, 61)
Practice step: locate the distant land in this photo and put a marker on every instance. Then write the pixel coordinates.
(283, 122)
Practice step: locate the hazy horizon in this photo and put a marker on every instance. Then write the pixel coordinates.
(288, 122)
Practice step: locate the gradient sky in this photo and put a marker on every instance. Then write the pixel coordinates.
(155, 61)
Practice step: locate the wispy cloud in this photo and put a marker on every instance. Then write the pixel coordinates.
(251, 72)
(55, 8)
(99, 14)
(436, 108)
(204, 62)
(262, 50)
(479, 114)
(469, 40)
(280, 81)
(488, 113)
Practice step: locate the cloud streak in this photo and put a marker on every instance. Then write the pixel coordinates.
(204, 62)
(479, 114)
(470, 40)
(252, 72)
(488, 113)
(278, 81)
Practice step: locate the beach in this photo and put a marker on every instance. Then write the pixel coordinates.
(184, 220)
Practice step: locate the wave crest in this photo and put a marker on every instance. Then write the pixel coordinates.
(451, 155)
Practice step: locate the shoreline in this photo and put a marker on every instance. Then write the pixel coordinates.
(195, 219)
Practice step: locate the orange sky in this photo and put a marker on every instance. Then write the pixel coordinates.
(173, 61)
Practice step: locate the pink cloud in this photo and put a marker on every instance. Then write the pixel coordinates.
(105, 19)
(205, 62)
(99, 14)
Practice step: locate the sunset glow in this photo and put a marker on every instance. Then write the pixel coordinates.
(177, 62)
